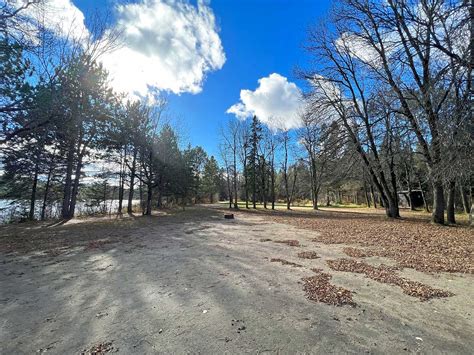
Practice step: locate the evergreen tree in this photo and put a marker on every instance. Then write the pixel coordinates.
(210, 183)
(253, 158)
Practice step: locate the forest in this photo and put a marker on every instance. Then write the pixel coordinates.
(146, 207)
(68, 137)
(386, 119)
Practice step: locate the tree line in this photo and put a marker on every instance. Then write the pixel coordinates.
(68, 136)
(388, 109)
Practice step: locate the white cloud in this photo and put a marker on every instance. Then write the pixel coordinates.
(169, 45)
(276, 102)
(61, 17)
(358, 47)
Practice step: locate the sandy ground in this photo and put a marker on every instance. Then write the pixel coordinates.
(193, 282)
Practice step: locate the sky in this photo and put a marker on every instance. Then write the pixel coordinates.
(213, 60)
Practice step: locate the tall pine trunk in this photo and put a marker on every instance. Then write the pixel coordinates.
(46, 192)
(264, 185)
(132, 183)
(121, 185)
(31, 215)
(149, 196)
(75, 188)
(68, 181)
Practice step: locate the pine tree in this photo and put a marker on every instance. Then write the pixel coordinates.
(253, 159)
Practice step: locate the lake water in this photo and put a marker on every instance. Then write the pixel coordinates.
(11, 210)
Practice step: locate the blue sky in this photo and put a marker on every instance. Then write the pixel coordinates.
(259, 38)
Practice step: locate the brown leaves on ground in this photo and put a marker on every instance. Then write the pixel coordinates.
(386, 274)
(100, 349)
(308, 255)
(412, 241)
(358, 252)
(284, 262)
(290, 242)
(319, 289)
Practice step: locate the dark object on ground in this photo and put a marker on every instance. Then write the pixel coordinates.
(229, 216)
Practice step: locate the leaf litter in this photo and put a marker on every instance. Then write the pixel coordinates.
(318, 288)
(290, 242)
(308, 255)
(284, 262)
(412, 242)
(386, 274)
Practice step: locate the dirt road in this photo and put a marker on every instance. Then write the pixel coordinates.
(193, 282)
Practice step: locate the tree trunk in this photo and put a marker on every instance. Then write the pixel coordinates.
(391, 208)
(314, 183)
(46, 193)
(75, 187)
(68, 182)
(438, 203)
(254, 186)
(367, 198)
(465, 199)
(31, 215)
(374, 198)
(236, 205)
(246, 185)
(425, 203)
(149, 196)
(142, 204)
(132, 183)
(121, 189)
(450, 205)
(273, 190)
(264, 185)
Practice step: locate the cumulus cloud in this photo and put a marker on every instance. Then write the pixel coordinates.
(169, 45)
(276, 102)
(61, 17)
(166, 45)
